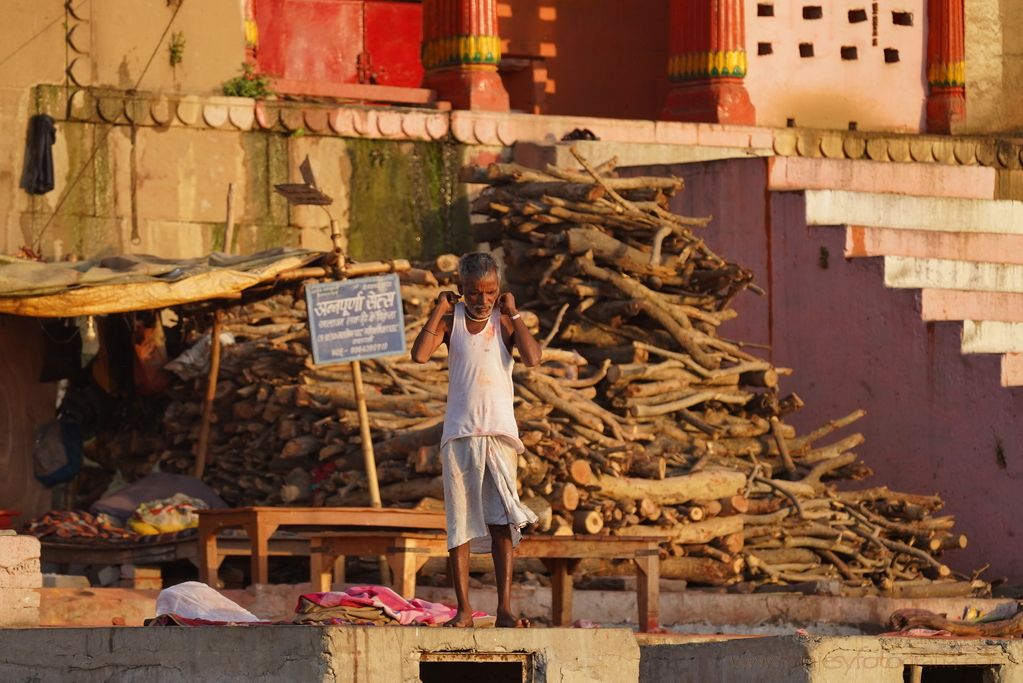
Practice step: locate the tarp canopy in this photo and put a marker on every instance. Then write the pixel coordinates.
(135, 282)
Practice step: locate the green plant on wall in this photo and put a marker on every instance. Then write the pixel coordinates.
(176, 48)
(248, 84)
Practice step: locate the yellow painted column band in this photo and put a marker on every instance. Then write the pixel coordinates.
(714, 64)
(460, 50)
(947, 74)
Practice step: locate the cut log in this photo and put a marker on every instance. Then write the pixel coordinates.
(580, 472)
(696, 532)
(565, 497)
(542, 509)
(587, 521)
(702, 570)
(710, 483)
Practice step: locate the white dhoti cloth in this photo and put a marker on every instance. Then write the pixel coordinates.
(479, 491)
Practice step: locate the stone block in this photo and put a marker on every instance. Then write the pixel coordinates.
(19, 607)
(19, 562)
(65, 581)
(143, 578)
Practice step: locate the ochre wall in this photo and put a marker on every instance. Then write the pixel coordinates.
(123, 34)
(596, 58)
(826, 91)
(994, 66)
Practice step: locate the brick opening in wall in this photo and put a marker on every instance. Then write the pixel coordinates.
(849, 52)
(806, 49)
(480, 667)
(765, 49)
(813, 11)
(765, 9)
(902, 18)
(970, 673)
(857, 15)
(891, 55)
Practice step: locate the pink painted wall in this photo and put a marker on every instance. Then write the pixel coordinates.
(937, 420)
(25, 403)
(826, 91)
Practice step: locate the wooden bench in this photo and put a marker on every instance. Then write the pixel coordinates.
(261, 522)
(406, 553)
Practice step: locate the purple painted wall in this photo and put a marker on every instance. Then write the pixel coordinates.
(937, 420)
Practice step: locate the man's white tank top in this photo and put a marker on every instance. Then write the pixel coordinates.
(480, 390)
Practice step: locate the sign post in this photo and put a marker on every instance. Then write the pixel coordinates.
(335, 338)
(351, 321)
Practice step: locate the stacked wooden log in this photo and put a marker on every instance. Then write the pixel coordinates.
(683, 429)
(641, 420)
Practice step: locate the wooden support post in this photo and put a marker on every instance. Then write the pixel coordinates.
(209, 557)
(648, 579)
(320, 563)
(260, 533)
(406, 559)
(561, 589)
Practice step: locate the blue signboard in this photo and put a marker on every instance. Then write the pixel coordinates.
(355, 319)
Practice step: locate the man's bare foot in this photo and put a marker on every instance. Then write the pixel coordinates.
(461, 619)
(507, 620)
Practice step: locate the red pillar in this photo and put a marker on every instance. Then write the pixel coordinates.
(707, 62)
(946, 65)
(461, 51)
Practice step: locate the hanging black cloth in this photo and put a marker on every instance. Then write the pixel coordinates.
(37, 174)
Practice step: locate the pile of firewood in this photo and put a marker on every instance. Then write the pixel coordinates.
(641, 420)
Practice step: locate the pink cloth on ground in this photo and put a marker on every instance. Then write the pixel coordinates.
(405, 612)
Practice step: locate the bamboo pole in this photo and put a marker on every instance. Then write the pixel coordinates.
(211, 393)
(229, 227)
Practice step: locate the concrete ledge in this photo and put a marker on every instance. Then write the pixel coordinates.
(861, 241)
(915, 273)
(1012, 370)
(831, 207)
(353, 654)
(949, 304)
(930, 180)
(827, 659)
(987, 336)
(536, 155)
(690, 611)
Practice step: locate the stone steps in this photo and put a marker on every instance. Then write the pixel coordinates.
(938, 229)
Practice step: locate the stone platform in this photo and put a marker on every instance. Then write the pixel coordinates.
(335, 654)
(342, 654)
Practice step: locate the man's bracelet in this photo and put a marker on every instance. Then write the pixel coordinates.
(516, 316)
(435, 334)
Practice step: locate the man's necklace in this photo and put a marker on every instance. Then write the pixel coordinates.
(475, 320)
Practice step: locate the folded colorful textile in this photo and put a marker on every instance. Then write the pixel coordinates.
(76, 524)
(371, 604)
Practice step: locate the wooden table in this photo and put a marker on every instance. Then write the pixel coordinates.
(152, 555)
(406, 553)
(261, 522)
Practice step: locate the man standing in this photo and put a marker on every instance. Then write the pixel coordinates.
(480, 443)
